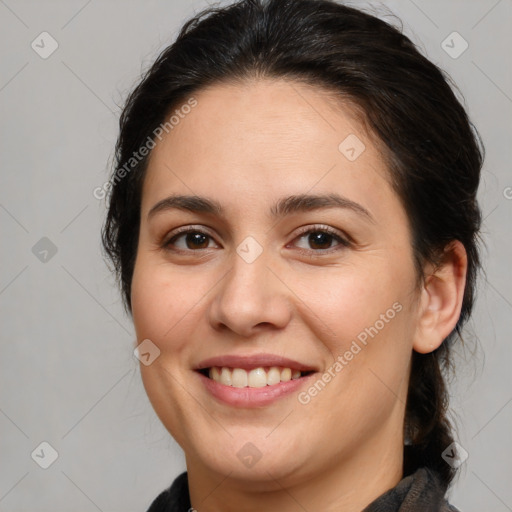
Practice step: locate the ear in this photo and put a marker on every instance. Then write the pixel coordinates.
(441, 299)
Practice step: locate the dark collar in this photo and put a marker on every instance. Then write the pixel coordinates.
(420, 492)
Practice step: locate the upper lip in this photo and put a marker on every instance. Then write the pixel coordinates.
(253, 361)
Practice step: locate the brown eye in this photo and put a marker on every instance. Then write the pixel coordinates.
(321, 239)
(196, 240)
(189, 240)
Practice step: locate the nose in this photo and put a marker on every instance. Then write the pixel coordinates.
(251, 297)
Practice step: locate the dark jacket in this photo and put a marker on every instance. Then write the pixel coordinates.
(420, 492)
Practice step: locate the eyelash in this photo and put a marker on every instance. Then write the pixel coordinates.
(342, 242)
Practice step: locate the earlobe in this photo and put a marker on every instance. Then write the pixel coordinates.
(441, 299)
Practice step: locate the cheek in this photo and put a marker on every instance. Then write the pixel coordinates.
(147, 309)
(365, 320)
(156, 303)
(162, 308)
(345, 301)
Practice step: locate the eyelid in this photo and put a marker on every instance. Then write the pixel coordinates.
(321, 227)
(343, 239)
(184, 230)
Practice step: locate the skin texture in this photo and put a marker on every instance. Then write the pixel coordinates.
(246, 146)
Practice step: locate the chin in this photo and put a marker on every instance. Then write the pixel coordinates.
(247, 461)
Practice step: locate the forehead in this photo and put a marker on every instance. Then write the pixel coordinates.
(276, 115)
(266, 138)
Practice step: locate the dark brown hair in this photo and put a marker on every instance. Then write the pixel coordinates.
(434, 153)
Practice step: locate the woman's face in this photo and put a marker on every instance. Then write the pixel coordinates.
(307, 266)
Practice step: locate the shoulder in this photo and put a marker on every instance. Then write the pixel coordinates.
(174, 499)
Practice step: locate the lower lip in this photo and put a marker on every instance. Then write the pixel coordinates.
(252, 397)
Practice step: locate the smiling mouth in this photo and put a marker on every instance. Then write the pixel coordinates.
(254, 378)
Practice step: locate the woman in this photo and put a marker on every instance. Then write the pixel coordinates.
(294, 223)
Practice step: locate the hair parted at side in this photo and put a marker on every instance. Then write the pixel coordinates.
(433, 151)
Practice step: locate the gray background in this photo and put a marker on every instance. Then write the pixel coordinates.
(68, 373)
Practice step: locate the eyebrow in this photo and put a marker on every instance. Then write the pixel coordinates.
(284, 206)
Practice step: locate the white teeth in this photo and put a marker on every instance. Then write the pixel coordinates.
(225, 377)
(255, 378)
(239, 378)
(215, 373)
(273, 376)
(286, 374)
